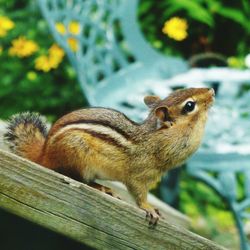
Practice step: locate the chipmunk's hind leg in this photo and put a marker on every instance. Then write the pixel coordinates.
(70, 172)
(104, 189)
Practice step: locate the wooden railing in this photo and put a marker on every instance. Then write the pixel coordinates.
(83, 213)
(86, 215)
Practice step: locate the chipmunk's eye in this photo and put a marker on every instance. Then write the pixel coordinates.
(189, 106)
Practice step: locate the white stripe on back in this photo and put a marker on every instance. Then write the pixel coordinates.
(95, 128)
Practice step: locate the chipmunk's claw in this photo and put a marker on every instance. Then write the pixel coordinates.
(158, 212)
(152, 216)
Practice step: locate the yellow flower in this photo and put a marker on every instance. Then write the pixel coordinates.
(56, 55)
(176, 28)
(51, 61)
(22, 47)
(56, 51)
(43, 63)
(74, 28)
(5, 25)
(2, 32)
(73, 44)
(60, 28)
(31, 75)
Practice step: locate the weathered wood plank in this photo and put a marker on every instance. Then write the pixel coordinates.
(82, 213)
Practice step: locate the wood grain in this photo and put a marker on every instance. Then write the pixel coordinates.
(82, 213)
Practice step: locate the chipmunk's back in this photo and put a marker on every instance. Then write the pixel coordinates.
(102, 117)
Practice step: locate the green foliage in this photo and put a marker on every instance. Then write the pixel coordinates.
(210, 214)
(25, 88)
(22, 87)
(193, 9)
(210, 21)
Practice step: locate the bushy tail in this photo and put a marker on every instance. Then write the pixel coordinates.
(26, 134)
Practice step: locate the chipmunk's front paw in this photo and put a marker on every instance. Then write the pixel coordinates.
(153, 217)
(152, 214)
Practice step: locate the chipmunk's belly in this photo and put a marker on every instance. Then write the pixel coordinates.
(105, 162)
(106, 156)
(99, 153)
(104, 169)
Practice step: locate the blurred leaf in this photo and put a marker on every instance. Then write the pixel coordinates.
(246, 7)
(235, 15)
(171, 10)
(195, 10)
(145, 6)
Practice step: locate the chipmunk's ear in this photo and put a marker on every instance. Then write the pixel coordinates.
(163, 116)
(151, 101)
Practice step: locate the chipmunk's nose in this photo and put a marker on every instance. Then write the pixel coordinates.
(211, 91)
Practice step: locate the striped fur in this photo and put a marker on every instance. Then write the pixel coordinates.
(105, 133)
(104, 124)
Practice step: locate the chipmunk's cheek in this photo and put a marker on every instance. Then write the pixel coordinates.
(167, 124)
(209, 105)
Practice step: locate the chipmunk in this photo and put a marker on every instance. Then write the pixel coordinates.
(102, 143)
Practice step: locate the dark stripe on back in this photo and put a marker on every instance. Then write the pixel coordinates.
(116, 111)
(105, 138)
(103, 123)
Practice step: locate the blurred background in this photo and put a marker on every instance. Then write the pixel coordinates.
(29, 80)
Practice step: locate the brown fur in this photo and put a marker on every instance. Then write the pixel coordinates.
(103, 143)
(31, 145)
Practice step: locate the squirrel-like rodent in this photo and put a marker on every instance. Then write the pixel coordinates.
(102, 143)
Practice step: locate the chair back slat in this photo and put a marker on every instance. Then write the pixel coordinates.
(89, 32)
(102, 38)
(247, 184)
